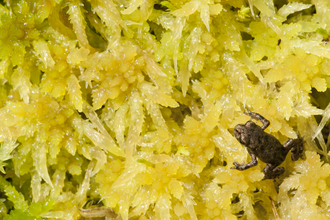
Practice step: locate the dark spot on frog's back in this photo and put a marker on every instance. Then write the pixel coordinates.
(265, 146)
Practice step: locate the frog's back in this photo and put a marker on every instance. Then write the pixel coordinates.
(267, 148)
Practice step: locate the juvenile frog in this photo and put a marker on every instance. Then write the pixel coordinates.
(265, 146)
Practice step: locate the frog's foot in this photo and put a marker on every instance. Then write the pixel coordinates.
(296, 146)
(243, 166)
(265, 122)
(237, 166)
(297, 149)
(271, 171)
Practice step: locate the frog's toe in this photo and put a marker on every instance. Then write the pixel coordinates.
(248, 112)
(271, 171)
(236, 165)
(297, 150)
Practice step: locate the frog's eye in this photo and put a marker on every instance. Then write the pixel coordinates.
(250, 124)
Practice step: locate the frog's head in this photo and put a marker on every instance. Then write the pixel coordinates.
(241, 134)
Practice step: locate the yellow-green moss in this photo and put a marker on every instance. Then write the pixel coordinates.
(130, 105)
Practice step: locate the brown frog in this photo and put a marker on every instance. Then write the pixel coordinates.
(265, 146)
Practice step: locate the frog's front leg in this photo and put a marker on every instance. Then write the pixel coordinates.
(265, 122)
(271, 171)
(296, 146)
(253, 163)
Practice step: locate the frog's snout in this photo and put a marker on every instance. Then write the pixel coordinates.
(237, 132)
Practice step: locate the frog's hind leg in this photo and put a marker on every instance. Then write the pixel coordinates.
(265, 122)
(271, 171)
(296, 146)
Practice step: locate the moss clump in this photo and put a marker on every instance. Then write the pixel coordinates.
(130, 105)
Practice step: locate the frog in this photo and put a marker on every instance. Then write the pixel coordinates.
(265, 147)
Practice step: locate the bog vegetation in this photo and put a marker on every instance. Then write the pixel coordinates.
(131, 105)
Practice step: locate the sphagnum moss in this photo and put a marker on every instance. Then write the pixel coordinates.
(127, 108)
